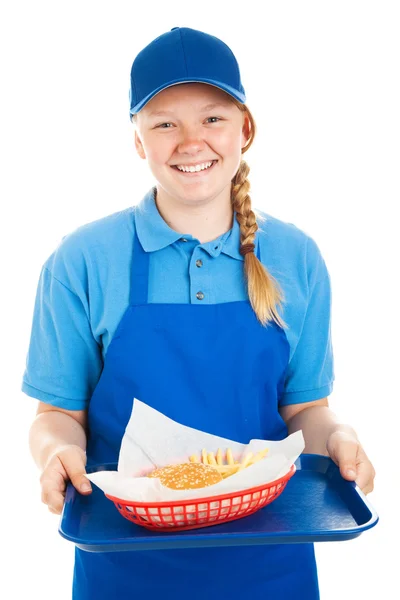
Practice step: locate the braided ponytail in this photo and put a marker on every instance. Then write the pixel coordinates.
(264, 292)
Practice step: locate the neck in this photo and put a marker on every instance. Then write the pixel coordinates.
(204, 221)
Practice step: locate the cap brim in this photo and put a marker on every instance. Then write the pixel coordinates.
(239, 96)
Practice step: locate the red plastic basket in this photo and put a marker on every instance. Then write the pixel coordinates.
(201, 512)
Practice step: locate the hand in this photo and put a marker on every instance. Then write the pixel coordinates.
(67, 464)
(346, 451)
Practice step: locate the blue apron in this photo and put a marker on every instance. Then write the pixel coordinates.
(215, 368)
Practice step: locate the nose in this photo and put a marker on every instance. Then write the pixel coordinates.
(191, 141)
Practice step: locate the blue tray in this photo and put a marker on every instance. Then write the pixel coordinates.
(317, 505)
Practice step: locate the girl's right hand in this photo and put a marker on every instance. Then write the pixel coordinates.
(66, 464)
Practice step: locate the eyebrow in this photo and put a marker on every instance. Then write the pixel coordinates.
(206, 108)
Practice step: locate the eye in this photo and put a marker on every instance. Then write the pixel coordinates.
(161, 126)
(218, 119)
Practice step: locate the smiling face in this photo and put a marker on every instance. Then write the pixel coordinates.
(192, 125)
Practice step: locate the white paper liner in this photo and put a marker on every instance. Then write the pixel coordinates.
(153, 440)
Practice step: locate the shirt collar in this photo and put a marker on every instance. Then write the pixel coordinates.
(228, 243)
(154, 233)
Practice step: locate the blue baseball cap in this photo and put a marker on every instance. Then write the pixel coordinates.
(183, 55)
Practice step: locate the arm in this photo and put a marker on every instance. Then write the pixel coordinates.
(325, 434)
(54, 428)
(57, 441)
(317, 421)
(63, 366)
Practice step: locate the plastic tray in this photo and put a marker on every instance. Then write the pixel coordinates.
(317, 505)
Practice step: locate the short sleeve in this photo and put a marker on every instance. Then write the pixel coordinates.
(64, 360)
(310, 373)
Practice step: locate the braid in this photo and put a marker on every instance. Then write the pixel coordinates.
(264, 292)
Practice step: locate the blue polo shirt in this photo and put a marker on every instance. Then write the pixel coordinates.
(83, 292)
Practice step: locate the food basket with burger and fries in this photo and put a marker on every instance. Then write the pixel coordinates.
(172, 477)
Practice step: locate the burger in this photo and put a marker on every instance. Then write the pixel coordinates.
(187, 476)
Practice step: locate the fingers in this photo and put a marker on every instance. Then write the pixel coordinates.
(55, 502)
(365, 474)
(352, 461)
(67, 465)
(53, 489)
(361, 471)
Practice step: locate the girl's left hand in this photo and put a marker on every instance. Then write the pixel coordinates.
(346, 451)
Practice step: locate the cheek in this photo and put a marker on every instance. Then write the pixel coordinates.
(156, 155)
(158, 151)
(226, 142)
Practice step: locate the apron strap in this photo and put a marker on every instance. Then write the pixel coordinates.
(139, 274)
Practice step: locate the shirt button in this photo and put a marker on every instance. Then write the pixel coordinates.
(199, 263)
(183, 240)
(199, 295)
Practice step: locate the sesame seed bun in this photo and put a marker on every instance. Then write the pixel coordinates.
(187, 476)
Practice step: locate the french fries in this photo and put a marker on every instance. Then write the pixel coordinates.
(231, 466)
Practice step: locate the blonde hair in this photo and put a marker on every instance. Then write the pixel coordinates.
(264, 292)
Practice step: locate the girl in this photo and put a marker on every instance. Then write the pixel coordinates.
(188, 301)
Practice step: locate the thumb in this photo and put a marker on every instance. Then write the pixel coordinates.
(74, 462)
(348, 471)
(344, 453)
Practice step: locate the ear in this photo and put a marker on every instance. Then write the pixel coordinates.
(139, 146)
(246, 129)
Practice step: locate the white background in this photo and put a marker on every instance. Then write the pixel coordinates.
(322, 80)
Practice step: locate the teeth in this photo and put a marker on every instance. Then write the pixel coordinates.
(195, 168)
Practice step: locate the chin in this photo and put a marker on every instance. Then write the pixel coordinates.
(195, 192)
